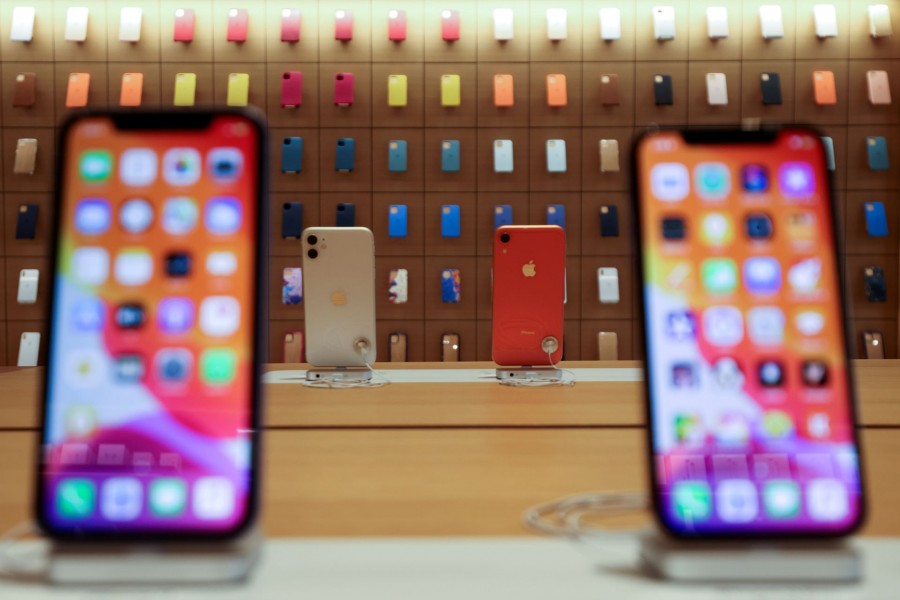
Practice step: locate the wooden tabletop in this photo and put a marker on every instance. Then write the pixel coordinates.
(451, 458)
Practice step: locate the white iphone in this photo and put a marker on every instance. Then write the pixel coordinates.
(130, 24)
(28, 286)
(610, 24)
(22, 29)
(76, 24)
(29, 347)
(503, 24)
(716, 89)
(717, 22)
(880, 21)
(608, 284)
(556, 156)
(503, 156)
(770, 22)
(557, 27)
(825, 17)
(664, 22)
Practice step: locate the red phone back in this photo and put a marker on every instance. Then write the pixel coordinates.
(529, 287)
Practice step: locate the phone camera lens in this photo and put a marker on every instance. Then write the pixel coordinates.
(504, 238)
(313, 253)
(311, 240)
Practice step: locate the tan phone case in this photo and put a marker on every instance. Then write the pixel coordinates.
(398, 347)
(879, 87)
(77, 90)
(293, 347)
(874, 344)
(26, 153)
(823, 87)
(24, 94)
(132, 89)
(450, 347)
(609, 156)
(609, 89)
(608, 345)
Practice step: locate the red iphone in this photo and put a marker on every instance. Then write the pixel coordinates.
(529, 287)
(343, 89)
(238, 20)
(290, 25)
(449, 25)
(291, 89)
(184, 25)
(343, 25)
(396, 25)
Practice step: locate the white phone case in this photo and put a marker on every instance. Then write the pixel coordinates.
(610, 24)
(29, 347)
(76, 24)
(717, 22)
(609, 156)
(557, 26)
(22, 29)
(28, 286)
(825, 17)
(503, 156)
(880, 21)
(339, 304)
(556, 156)
(770, 22)
(879, 87)
(130, 24)
(716, 89)
(503, 24)
(608, 285)
(664, 22)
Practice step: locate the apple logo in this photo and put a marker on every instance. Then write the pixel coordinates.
(529, 269)
(339, 298)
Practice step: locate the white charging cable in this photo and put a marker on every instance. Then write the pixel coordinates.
(19, 561)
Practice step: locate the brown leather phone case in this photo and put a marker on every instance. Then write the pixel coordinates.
(608, 345)
(24, 93)
(398, 347)
(450, 347)
(873, 344)
(609, 89)
(293, 347)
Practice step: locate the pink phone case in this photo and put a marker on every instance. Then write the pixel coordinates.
(397, 25)
(343, 89)
(343, 26)
(291, 89)
(450, 25)
(290, 25)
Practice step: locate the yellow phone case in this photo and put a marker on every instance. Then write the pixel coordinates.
(450, 94)
(185, 89)
(238, 89)
(396, 90)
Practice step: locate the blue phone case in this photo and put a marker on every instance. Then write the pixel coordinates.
(450, 221)
(292, 155)
(345, 214)
(876, 220)
(397, 156)
(397, 221)
(345, 154)
(450, 156)
(556, 215)
(876, 146)
(502, 215)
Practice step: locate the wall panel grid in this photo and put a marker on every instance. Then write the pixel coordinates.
(583, 58)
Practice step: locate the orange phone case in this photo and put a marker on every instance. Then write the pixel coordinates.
(503, 90)
(77, 90)
(529, 293)
(132, 89)
(824, 88)
(556, 90)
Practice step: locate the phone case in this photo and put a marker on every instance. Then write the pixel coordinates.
(503, 156)
(662, 90)
(450, 347)
(291, 89)
(503, 90)
(28, 286)
(26, 155)
(877, 152)
(825, 18)
(451, 286)
(292, 286)
(876, 220)
(185, 20)
(717, 22)
(396, 25)
(828, 145)
(450, 226)
(397, 156)
(609, 89)
(343, 89)
(24, 92)
(770, 85)
(771, 24)
(132, 89)
(26, 222)
(607, 345)
(77, 90)
(556, 156)
(76, 24)
(292, 349)
(610, 24)
(503, 24)
(880, 21)
(557, 24)
(823, 88)
(528, 292)
(557, 95)
(664, 23)
(875, 285)
(397, 90)
(238, 20)
(398, 286)
(502, 215)
(398, 347)
(345, 214)
(345, 155)
(397, 220)
(556, 215)
(185, 89)
(290, 25)
(339, 302)
(29, 348)
(450, 156)
(716, 89)
(873, 344)
(879, 87)
(291, 220)
(450, 90)
(238, 89)
(608, 285)
(449, 25)
(22, 29)
(609, 221)
(343, 25)
(609, 156)
(130, 19)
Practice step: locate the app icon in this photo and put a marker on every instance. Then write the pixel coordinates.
(827, 500)
(762, 275)
(134, 266)
(175, 315)
(76, 498)
(805, 275)
(181, 166)
(712, 180)
(136, 215)
(88, 315)
(684, 376)
(138, 167)
(90, 265)
(802, 226)
(818, 426)
(681, 325)
(781, 499)
(766, 325)
(129, 368)
(689, 429)
(759, 226)
(173, 365)
(736, 501)
(130, 316)
(692, 500)
(810, 322)
(221, 264)
(814, 373)
(670, 182)
(85, 368)
(755, 178)
(719, 275)
(797, 180)
(179, 215)
(732, 430)
(770, 374)
(222, 215)
(168, 496)
(674, 228)
(777, 424)
(727, 374)
(81, 421)
(723, 325)
(92, 216)
(213, 498)
(217, 366)
(679, 277)
(225, 164)
(95, 166)
(219, 316)
(121, 499)
(178, 264)
(716, 230)
(111, 454)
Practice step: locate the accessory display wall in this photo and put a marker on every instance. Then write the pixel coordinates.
(424, 57)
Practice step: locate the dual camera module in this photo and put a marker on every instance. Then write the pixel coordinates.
(312, 241)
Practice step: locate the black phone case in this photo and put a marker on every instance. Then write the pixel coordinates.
(662, 90)
(771, 89)
(609, 221)
(346, 214)
(876, 289)
(26, 224)
(291, 220)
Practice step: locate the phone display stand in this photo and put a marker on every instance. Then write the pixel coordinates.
(340, 375)
(822, 561)
(164, 563)
(529, 373)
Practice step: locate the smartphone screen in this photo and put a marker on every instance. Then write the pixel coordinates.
(751, 410)
(151, 387)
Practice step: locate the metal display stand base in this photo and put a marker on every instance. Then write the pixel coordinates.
(340, 375)
(172, 563)
(768, 561)
(528, 373)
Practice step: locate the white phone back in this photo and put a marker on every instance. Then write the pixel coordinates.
(29, 347)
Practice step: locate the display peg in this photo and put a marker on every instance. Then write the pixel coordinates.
(339, 375)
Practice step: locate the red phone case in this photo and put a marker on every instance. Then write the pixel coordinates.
(397, 25)
(184, 25)
(529, 293)
(290, 25)
(237, 24)
(343, 25)
(450, 25)
(343, 89)
(291, 89)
